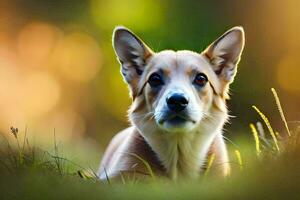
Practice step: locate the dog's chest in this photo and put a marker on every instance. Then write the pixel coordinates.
(183, 156)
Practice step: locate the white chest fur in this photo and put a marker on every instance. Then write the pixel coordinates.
(182, 154)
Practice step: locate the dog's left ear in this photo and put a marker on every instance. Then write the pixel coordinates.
(224, 55)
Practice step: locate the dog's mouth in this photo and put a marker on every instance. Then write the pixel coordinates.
(176, 119)
(176, 122)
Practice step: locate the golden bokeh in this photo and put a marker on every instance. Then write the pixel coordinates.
(78, 57)
(288, 72)
(34, 68)
(39, 92)
(36, 42)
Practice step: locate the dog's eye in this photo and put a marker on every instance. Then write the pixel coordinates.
(155, 80)
(200, 79)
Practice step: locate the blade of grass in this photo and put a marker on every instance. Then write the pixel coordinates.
(239, 158)
(122, 178)
(256, 139)
(56, 157)
(93, 173)
(262, 136)
(148, 167)
(279, 107)
(266, 120)
(209, 163)
(25, 138)
(106, 176)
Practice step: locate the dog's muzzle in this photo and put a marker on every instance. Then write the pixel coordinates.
(176, 113)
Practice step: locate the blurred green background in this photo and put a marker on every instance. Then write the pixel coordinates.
(58, 69)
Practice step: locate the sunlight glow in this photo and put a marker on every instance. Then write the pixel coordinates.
(78, 57)
(131, 13)
(288, 73)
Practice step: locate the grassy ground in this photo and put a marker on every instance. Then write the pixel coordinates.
(270, 171)
(269, 179)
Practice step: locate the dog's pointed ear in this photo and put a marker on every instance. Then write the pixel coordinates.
(224, 54)
(133, 54)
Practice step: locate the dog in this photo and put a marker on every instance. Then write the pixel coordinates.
(178, 108)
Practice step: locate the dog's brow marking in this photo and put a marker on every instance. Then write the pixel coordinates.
(165, 71)
(190, 71)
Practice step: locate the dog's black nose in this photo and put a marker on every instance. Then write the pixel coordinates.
(177, 102)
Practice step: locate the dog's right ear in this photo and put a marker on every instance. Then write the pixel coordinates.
(133, 54)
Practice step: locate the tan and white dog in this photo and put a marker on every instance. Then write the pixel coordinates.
(178, 110)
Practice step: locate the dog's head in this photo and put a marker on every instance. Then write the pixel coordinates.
(175, 91)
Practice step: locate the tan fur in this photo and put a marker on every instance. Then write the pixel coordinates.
(173, 152)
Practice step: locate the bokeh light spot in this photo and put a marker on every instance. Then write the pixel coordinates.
(39, 94)
(78, 57)
(288, 73)
(35, 43)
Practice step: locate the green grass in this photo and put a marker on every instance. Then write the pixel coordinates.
(265, 168)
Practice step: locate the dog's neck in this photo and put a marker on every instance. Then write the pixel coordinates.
(184, 154)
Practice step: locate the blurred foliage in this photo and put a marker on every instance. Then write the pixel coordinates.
(58, 69)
